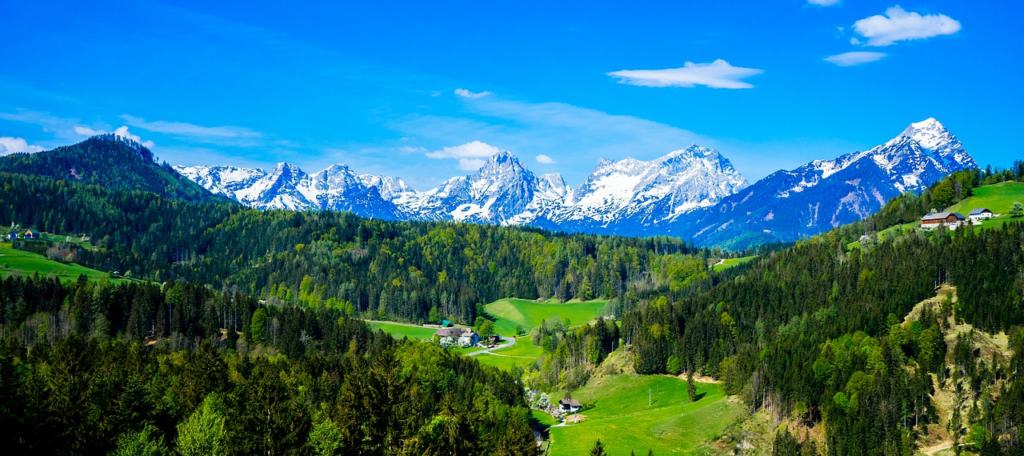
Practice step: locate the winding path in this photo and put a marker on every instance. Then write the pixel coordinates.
(510, 341)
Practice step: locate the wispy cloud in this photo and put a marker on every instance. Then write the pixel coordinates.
(470, 155)
(854, 58)
(718, 75)
(190, 129)
(823, 2)
(544, 159)
(898, 24)
(466, 93)
(13, 145)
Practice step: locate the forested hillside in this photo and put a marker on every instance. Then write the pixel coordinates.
(111, 161)
(404, 270)
(813, 332)
(219, 374)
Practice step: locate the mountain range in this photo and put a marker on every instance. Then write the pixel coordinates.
(694, 193)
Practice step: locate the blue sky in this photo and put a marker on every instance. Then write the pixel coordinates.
(422, 90)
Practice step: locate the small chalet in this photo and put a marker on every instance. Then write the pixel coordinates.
(29, 234)
(448, 336)
(569, 405)
(463, 337)
(951, 220)
(979, 214)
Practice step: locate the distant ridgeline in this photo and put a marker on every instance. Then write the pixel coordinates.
(397, 270)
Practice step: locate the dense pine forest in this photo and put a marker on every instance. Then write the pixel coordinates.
(95, 368)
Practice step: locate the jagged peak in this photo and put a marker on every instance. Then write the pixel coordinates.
(929, 133)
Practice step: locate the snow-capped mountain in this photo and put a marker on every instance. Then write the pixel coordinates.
(503, 191)
(631, 193)
(289, 187)
(823, 194)
(694, 193)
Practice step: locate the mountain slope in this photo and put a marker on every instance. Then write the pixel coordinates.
(503, 192)
(823, 194)
(287, 186)
(110, 161)
(633, 196)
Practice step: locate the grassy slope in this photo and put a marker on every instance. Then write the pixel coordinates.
(521, 355)
(512, 312)
(998, 198)
(19, 262)
(617, 412)
(400, 330)
(732, 262)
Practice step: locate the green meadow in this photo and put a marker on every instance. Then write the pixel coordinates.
(617, 411)
(403, 330)
(20, 262)
(509, 313)
(520, 355)
(729, 263)
(998, 198)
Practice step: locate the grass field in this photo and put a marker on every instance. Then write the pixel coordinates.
(728, 263)
(400, 330)
(617, 412)
(512, 312)
(521, 355)
(998, 198)
(20, 262)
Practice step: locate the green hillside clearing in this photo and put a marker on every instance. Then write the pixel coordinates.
(20, 262)
(510, 313)
(616, 411)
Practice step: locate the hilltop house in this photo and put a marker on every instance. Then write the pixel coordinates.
(569, 405)
(979, 214)
(29, 234)
(463, 337)
(951, 220)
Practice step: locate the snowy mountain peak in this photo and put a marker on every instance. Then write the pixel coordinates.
(929, 133)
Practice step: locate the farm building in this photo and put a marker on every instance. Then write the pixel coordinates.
(463, 337)
(951, 220)
(569, 405)
(979, 214)
(29, 234)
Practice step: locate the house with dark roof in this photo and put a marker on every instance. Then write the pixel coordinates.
(569, 405)
(950, 220)
(979, 214)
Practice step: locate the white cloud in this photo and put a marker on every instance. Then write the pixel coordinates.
(190, 129)
(86, 131)
(545, 159)
(470, 155)
(823, 2)
(718, 75)
(123, 132)
(12, 145)
(466, 93)
(900, 25)
(854, 58)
